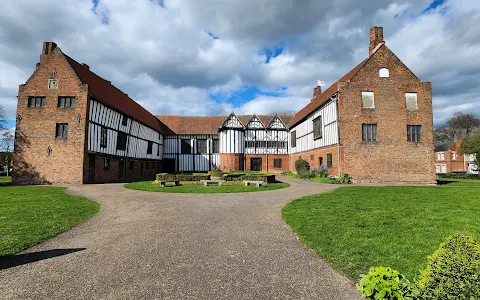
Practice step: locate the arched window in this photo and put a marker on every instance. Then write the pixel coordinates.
(384, 72)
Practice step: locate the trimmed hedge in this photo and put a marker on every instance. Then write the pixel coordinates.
(182, 177)
(265, 177)
(458, 175)
(216, 173)
(453, 271)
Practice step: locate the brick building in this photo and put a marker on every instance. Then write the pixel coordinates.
(375, 123)
(454, 161)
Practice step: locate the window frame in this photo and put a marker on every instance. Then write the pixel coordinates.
(277, 163)
(414, 136)
(106, 164)
(63, 104)
(293, 139)
(61, 131)
(367, 93)
(183, 146)
(203, 147)
(329, 161)
(124, 120)
(149, 147)
(215, 146)
(317, 128)
(416, 101)
(121, 142)
(365, 132)
(39, 101)
(103, 137)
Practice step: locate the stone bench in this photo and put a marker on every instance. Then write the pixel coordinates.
(163, 183)
(216, 182)
(257, 183)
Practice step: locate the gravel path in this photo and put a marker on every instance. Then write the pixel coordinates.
(144, 245)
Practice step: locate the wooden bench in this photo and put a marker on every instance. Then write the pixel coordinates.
(217, 182)
(177, 182)
(257, 183)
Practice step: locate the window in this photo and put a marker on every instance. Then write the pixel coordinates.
(61, 130)
(146, 166)
(36, 101)
(106, 164)
(384, 72)
(368, 100)
(312, 157)
(121, 166)
(411, 101)
(414, 133)
(454, 155)
(158, 150)
(186, 148)
(293, 139)
(329, 160)
(131, 164)
(317, 128)
(277, 163)
(215, 146)
(260, 144)
(440, 156)
(103, 137)
(202, 146)
(122, 141)
(250, 144)
(124, 120)
(369, 132)
(150, 147)
(320, 162)
(65, 102)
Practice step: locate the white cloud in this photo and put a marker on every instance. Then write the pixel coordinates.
(165, 58)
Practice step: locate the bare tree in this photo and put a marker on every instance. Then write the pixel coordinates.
(465, 124)
(3, 118)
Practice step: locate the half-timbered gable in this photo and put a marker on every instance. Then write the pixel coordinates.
(277, 137)
(255, 136)
(232, 138)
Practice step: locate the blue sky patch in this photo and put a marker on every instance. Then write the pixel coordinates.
(247, 93)
(434, 4)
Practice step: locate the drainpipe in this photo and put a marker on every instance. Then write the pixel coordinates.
(338, 136)
(266, 152)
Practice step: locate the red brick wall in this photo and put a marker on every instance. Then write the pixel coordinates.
(391, 158)
(112, 174)
(232, 162)
(312, 157)
(35, 132)
(271, 158)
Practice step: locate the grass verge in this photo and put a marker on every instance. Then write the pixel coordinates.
(194, 188)
(355, 228)
(31, 214)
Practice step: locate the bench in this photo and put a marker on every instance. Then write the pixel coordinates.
(162, 183)
(257, 183)
(217, 182)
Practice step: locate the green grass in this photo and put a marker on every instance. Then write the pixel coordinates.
(5, 180)
(151, 186)
(355, 228)
(448, 182)
(31, 214)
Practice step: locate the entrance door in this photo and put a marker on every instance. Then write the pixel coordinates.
(255, 164)
(91, 169)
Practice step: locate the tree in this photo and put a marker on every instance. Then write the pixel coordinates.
(3, 119)
(471, 145)
(6, 140)
(465, 124)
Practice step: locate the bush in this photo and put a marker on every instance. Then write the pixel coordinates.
(216, 173)
(386, 283)
(453, 271)
(265, 177)
(458, 175)
(344, 179)
(182, 177)
(301, 166)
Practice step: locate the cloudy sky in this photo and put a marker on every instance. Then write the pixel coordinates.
(212, 57)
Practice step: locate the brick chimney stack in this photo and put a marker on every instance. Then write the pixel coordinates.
(48, 48)
(316, 91)
(376, 37)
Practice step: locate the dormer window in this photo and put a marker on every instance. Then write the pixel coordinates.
(384, 72)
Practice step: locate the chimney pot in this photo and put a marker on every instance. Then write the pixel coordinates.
(86, 66)
(376, 37)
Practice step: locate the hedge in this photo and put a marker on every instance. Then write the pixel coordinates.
(265, 177)
(458, 175)
(182, 177)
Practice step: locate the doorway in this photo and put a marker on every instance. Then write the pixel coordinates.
(91, 169)
(255, 164)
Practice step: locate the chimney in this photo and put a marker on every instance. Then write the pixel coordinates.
(316, 91)
(37, 66)
(376, 37)
(86, 66)
(48, 48)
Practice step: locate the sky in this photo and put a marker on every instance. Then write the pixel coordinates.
(212, 57)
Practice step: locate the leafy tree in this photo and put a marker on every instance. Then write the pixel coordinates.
(471, 144)
(464, 123)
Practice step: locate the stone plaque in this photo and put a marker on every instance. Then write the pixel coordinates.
(53, 84)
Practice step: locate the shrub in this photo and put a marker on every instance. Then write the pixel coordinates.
(453, 270)
(321, 172)
(458, 175)
(216, 173)
(385, 283)
(344, 179)
(301, 166)
(265, 177)
(182, 177)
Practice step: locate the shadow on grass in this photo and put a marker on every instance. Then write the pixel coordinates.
(11, 261)
(443, 182)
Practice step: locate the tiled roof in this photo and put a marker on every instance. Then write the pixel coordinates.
(108, 94)
(208, 124)
(325, 96)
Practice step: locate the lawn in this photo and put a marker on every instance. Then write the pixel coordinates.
(31, 214)
(355, 228)
(449, 182)
(5, 180)
(193, 188)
